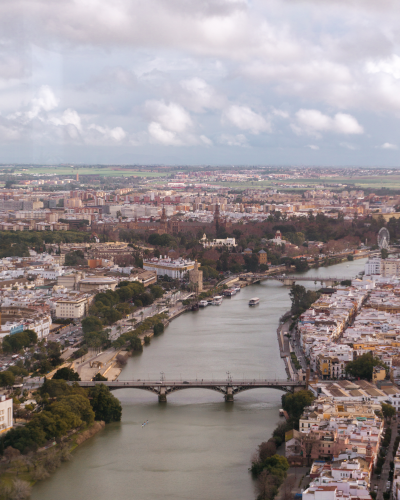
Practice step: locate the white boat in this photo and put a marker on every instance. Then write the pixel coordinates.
(237, 288)
(217, 300)
(203, 303)
(230, 292)
(254, 301)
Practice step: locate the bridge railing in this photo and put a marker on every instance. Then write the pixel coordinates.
(141, 382)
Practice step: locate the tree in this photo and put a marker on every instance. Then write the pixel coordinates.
(251, 262)
(7, 379)
(11, 453)
(384, 253)
(301, 299)
(121, 360)
(136, 344)
(91, 324)
(158, 328)
(295, 403)
(99, 378)
(156, 291)
(105, 406)
(388, 411)
(21, 490)
(266, 450)
(32, 336)
(363, 366)
(66, 374)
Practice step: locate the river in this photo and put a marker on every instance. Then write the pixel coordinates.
(196, 446)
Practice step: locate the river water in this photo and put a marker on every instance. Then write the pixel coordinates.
(196, 446)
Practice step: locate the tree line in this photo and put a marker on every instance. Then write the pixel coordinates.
(63, 408)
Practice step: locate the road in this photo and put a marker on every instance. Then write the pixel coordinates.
(382, 481)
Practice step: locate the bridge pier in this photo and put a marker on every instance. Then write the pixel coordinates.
(289, 282)
(330, 283)
(229, 395)
(162, 397)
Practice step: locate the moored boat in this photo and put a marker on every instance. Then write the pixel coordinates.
(217, 300)
(230, 292)
(254, 301)
(237, 289)
(203, 303)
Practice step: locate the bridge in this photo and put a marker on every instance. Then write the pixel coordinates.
(229, 388)
(291, 280)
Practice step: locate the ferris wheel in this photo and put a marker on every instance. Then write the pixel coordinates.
(383, 238)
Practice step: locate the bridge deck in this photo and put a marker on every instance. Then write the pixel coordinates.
(199, 383)
(280, 277)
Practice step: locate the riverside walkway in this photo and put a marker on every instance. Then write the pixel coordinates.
(228, 387)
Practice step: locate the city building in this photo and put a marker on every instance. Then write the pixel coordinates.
(6, 414)
(72, 307)
(165, 266)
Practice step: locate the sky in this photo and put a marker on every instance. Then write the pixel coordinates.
(193, 82)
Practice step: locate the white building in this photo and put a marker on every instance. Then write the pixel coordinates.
(172, 268)
(6, 414)
(373, 266)
(48, 274)
(72, 307)
(386, 268)
(226, 242)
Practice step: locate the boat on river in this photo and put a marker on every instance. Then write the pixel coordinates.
(237, 289)
(230, 292)
(217, 300)
(254, 301)
(203, 303)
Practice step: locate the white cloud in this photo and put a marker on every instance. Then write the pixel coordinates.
(171, 125)
(206, 140)
(199, 95)
(116, 134)
(162, 136)
(388, 145)
(390, 66)
(348, 145)
(170, 116)
(234, 140)
(313, 122)
(313, 146)
(44, 101)
(244, 118)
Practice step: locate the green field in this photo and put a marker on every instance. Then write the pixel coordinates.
(96, 170)
(378, 181)
(387, 181)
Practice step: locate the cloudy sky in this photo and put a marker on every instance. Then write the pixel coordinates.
(289, 82)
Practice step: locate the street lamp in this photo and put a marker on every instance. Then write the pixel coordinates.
(162, 376)
(229, 377)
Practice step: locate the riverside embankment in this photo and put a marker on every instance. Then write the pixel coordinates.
(196, 446)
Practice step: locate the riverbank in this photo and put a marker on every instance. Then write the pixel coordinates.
(45, 461)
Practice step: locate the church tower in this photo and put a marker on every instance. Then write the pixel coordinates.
(216, 217)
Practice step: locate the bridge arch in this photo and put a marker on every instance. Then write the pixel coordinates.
(228, 390)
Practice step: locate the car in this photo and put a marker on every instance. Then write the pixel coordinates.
(185, 382)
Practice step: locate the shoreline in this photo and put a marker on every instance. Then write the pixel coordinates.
(73, 440)
(285, 348)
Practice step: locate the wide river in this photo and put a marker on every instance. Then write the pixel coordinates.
(196, 446)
